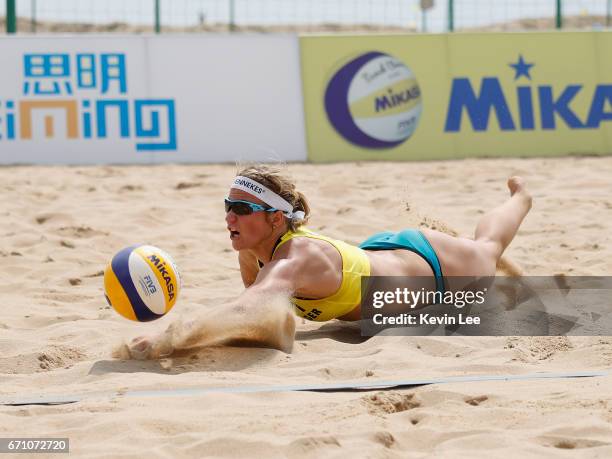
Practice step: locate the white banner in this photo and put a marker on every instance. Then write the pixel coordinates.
(150, 99)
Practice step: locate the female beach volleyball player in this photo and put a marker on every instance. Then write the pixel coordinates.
(281, 260)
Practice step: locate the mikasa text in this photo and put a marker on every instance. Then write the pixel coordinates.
(161, 267)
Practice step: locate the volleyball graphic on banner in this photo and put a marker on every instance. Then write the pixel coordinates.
(374, 101)
(142, 283)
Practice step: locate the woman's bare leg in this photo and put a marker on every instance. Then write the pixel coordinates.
(462, 257)
(497, 228)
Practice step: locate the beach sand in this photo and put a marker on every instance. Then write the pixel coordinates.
(61, 225)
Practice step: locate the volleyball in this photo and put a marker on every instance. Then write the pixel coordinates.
(374, 101)
(142, 283)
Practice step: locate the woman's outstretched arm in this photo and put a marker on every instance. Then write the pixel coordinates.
(261, 315)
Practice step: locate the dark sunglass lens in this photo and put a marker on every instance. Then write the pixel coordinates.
(239, 208)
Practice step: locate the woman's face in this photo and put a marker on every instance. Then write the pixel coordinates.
(247, 231)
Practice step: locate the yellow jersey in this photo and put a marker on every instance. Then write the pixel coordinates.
(355, 265)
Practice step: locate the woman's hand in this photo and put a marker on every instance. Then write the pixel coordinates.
(152, 347)
(140, 347)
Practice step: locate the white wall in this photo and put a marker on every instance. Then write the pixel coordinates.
(236, 97)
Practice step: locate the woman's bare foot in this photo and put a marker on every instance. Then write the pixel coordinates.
(517, 186)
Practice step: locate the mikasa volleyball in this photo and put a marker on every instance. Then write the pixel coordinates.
(142, 283)
(374, 101)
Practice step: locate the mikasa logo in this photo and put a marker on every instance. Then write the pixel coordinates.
(392, 99)
(552, 102)
(161, 267)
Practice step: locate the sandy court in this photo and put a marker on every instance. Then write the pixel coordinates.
(61, 225)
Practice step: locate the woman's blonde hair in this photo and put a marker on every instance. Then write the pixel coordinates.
(273, 178)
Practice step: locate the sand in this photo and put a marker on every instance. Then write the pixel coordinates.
(61, 225)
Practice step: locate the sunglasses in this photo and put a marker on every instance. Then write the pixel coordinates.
(245, 207)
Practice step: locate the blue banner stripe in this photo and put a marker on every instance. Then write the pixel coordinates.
(121, 268)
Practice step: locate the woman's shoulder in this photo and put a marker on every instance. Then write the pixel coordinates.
(305, 243)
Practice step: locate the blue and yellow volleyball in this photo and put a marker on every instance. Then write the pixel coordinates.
(142, 283)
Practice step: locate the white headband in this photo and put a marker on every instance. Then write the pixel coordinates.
(266, 195)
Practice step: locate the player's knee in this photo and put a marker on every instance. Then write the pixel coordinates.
(482, 258)
(490, 248)
(488, 261)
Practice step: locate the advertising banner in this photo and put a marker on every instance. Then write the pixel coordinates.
(418, 97)
(101, 100)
